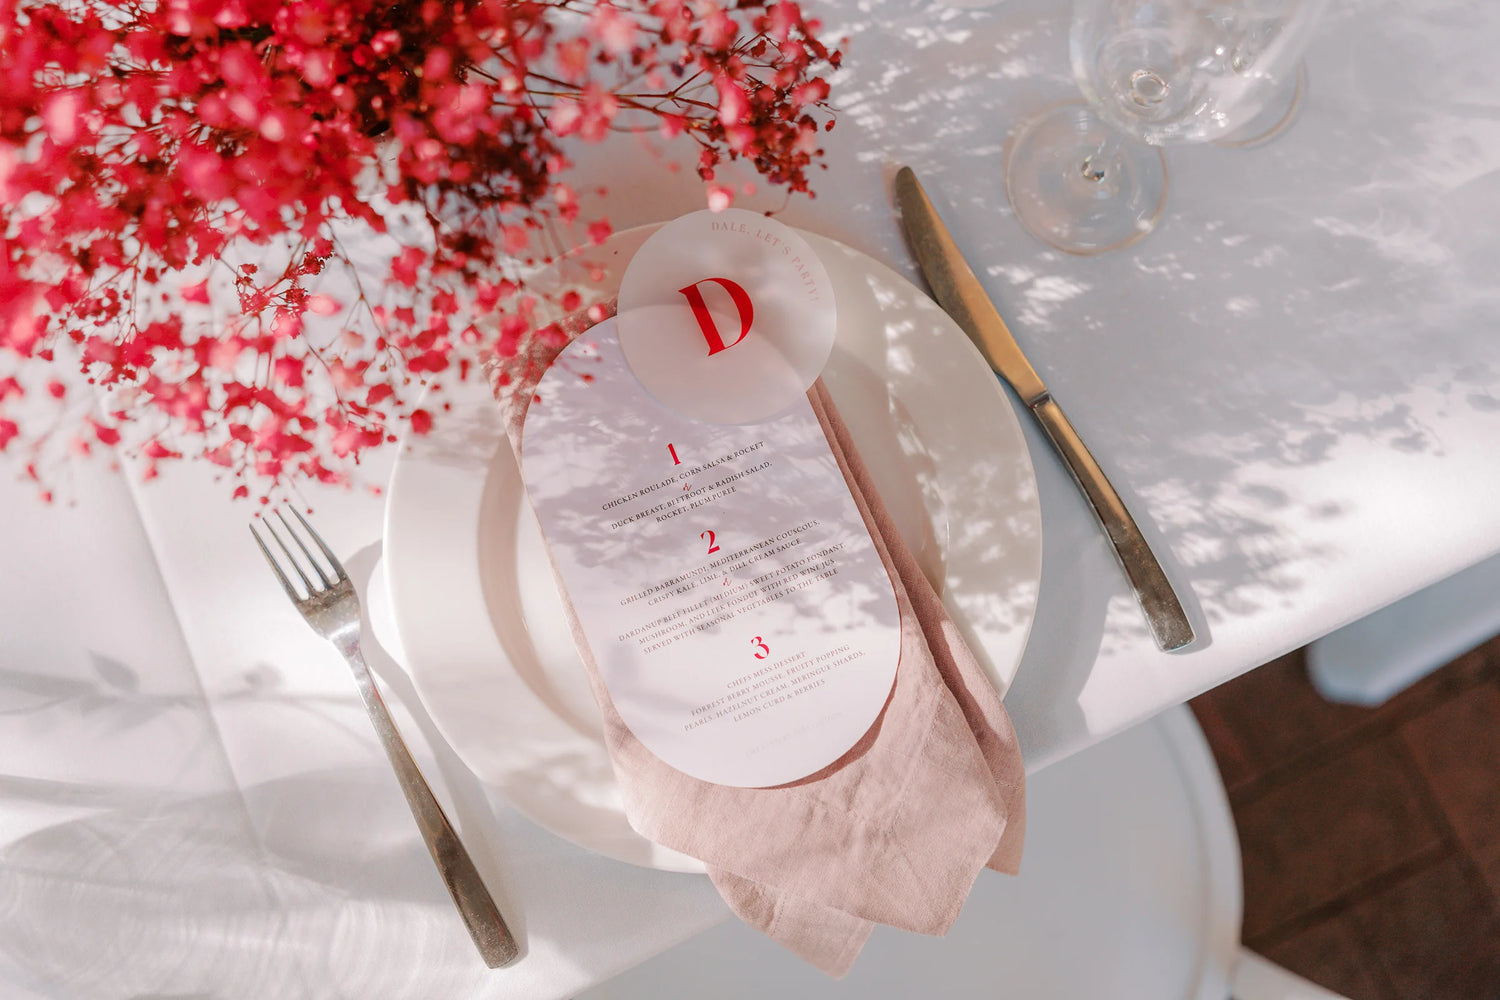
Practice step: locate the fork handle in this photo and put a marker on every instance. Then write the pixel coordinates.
(480, 915)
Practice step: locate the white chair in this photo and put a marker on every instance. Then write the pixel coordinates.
(1131, 888)
(1377, 657)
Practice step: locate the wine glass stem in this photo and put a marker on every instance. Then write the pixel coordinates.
(1093, 167)
(1080, 185)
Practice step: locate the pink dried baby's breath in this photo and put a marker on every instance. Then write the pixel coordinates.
(719, 197)
(180, 183)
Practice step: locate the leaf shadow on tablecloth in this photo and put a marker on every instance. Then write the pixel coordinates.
(164, 897)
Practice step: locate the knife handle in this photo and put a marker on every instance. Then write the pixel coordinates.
(1169, 624)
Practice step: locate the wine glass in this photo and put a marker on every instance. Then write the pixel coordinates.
(1087, 178)
(1275, 116)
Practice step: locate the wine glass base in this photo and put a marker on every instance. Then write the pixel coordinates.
(1080, 185)
(1275, 118)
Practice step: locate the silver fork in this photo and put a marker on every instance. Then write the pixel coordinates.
(331, 607)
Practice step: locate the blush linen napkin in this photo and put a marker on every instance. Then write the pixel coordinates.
(896, 830)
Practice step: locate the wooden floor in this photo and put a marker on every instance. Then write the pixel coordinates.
(1370, 837)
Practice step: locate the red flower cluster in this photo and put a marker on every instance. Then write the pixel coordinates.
(180, 181)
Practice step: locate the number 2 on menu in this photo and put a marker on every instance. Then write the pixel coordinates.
(709, 536)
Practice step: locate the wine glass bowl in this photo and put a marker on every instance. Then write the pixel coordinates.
(1153, 72)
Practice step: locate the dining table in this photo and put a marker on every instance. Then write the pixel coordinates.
(1293, 383)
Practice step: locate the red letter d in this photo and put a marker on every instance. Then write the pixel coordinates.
(711, 333)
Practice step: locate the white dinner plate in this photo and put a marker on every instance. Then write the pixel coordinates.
(482, 629)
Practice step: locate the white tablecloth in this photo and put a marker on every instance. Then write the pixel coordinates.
(1294, 383)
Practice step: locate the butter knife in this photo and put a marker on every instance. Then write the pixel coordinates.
(963, 298)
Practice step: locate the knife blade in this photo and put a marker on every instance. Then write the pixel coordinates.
(962, 297)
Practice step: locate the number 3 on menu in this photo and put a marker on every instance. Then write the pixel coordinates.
(761, 649)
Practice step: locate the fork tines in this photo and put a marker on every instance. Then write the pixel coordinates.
(297, 564)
